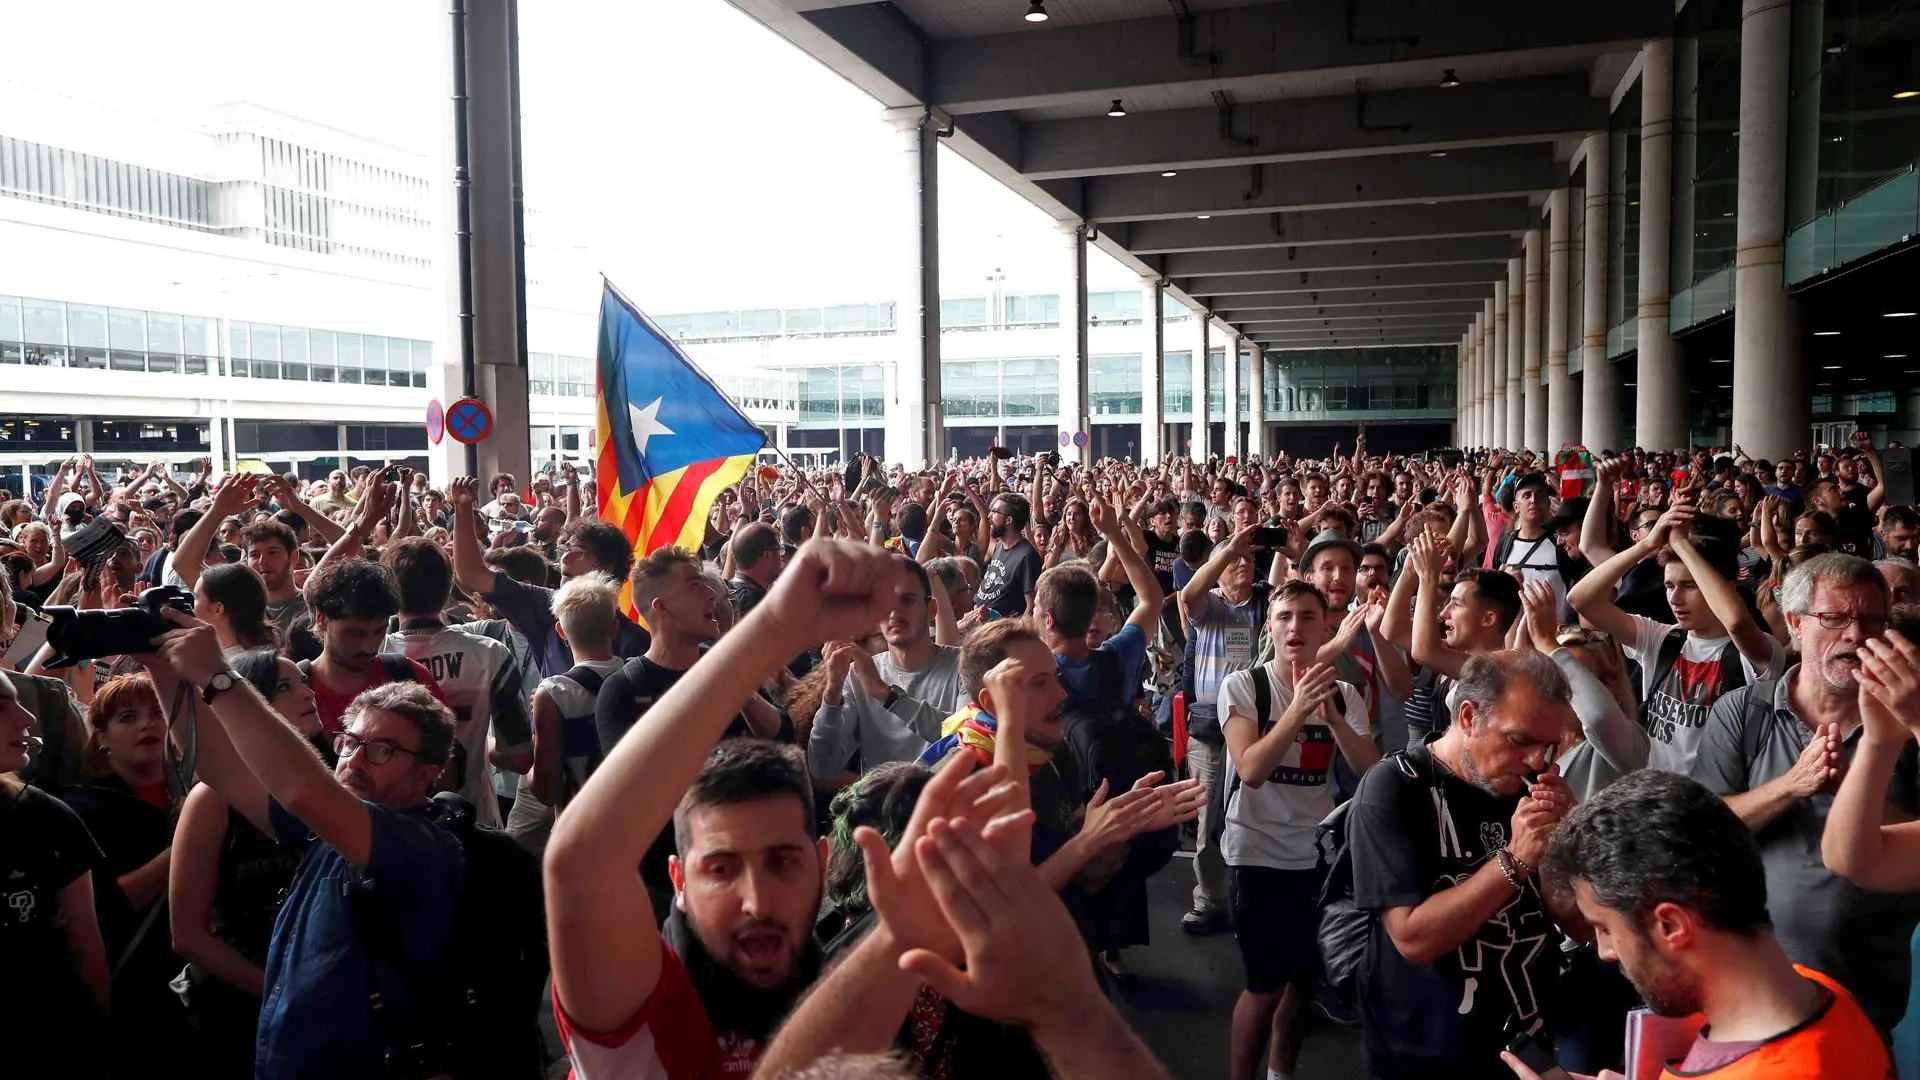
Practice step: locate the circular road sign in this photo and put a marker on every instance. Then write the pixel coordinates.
(1080, 438)
(469, 420)
(436, 421)
(1065, 438)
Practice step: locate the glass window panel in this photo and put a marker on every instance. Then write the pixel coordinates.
(373, 354)
(802, 320)
(1177, 384)
(293, 345)
(193, 365)
(422, 358)
(970, 388)
(43, 321)
(819, 392)
(9, 317)
(200, 336)
(1121, 306)
(266, 343)
(963, 312)
(320, 347)
(1031, 387)
(127, 329)
(86, 326)
(237, 341)
(348, 347)
(1113, 384)
(164, 333)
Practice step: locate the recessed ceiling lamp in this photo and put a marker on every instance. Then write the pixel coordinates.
(1116, 109)
(1899, 314)
(1826, 333)
(1448, 80)
(1170, 172)
(1438, 153)
(1896, 356)
(1830, 367)
(1204, 217)
(1037, 11)
(1905, 94)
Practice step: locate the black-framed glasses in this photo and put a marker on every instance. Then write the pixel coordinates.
(379, 751)
(1840, 620)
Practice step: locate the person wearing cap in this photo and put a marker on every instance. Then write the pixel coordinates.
(1331, 563)
(1528, 545)
(71, 511)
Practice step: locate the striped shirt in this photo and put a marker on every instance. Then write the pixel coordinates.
(1224, 638)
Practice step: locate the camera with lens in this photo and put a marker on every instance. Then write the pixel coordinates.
(78, 635)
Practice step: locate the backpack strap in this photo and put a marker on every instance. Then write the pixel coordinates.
(1262, 698)
(1664, 662)
(585, 677)
(1755, 716)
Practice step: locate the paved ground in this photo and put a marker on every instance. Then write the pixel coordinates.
(1181, 998)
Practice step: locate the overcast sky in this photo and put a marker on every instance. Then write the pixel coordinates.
(692, 155)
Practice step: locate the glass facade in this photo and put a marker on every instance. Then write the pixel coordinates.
(49, 174)
(559, 374)
(54, 333)
(1415, 381)
(839, 320)
(1114, 384)
(836, 395)
(1623, 224)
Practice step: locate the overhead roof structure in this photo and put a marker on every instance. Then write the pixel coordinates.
(1312, 172)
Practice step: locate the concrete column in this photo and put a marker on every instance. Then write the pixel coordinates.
(1235, 447)
(1534, 406)
(1771, 406)
(1563, 409)
(497, 252)
(1153, 364)
(1257, 402)
(1073, 342)
(1477, 389)
(913, 423)
(1473, 385)
(1514, 435)
(1660, 398)
(1599, 382)
(1489, 368)
(1497, 370)
(1459, 435)
(1202, 425)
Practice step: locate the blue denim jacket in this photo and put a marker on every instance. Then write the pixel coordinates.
(316, 1020)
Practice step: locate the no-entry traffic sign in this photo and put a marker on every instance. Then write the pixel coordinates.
(469, 420)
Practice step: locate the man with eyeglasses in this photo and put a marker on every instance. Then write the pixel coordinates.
(1776, 750)
(370, 841)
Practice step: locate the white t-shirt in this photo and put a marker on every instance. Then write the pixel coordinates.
(1676, 713)
(469, 669)
(573, 701)
(1275, 824)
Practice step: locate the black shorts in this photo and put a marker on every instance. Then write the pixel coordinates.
(1276, 917)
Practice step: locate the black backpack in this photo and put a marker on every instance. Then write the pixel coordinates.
(1344, 928)
(1111, 741)
(480, 1018)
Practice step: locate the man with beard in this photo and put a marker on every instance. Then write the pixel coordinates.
(701, 999)
(1677, 893)
(353, 600)
(1899, 533)
(274, 553)
(685, 615)
(1006, 589)
(365, 826)
(887, 707)
(1444, 840)
(1283, 722)
(1775, 750)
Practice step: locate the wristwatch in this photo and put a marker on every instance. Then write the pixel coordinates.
(893, 694)
(219, 684)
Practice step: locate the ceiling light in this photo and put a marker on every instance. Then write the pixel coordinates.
(1448, 80)
(1204, 217)
(1836, 48)
(1905, 94)
(1726, 386)
(1826, 333)
(1722, 360)
(1838, 138)
(1899, 314)
(1170, 172)
(1896, 356)
(1830, 367)
(1037, 11)
(1438, 153)
(1116, 109)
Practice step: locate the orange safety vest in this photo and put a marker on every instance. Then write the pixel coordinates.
(1839, 1043)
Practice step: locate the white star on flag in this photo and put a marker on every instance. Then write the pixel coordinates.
(646, 424)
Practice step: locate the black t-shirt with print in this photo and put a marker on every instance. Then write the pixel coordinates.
(43, 849)
(1009, 577)
(1412, 836)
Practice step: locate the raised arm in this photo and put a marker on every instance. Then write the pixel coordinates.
(470, 569)
(197, 841)
(1596, 529)
(1429, 648)
(1877, 494)
(323, 526)
(190, 555)
(1858, 844)
(1146, 587)
(606, 963)
(1724, 599)
(1592, 596)
(1193, 595)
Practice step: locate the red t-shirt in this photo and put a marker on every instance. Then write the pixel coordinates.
(333, 705)
(670, 1038)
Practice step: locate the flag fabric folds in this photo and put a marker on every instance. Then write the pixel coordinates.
(669, 440)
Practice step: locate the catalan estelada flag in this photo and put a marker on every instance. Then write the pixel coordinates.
(669, 440)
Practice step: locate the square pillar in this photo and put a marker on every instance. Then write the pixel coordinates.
(1073, 342)
(1257, 402)
(1660, 398)
(1563, 409)
(1515, 435)
(913, 426)
(1153, 366)
(1202, 420)
(1535, 403)
(1230, 343)
(1599, 382)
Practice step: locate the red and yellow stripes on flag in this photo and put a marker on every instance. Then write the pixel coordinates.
(668, 511)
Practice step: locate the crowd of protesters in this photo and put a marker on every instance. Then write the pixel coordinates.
(1478, 751)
